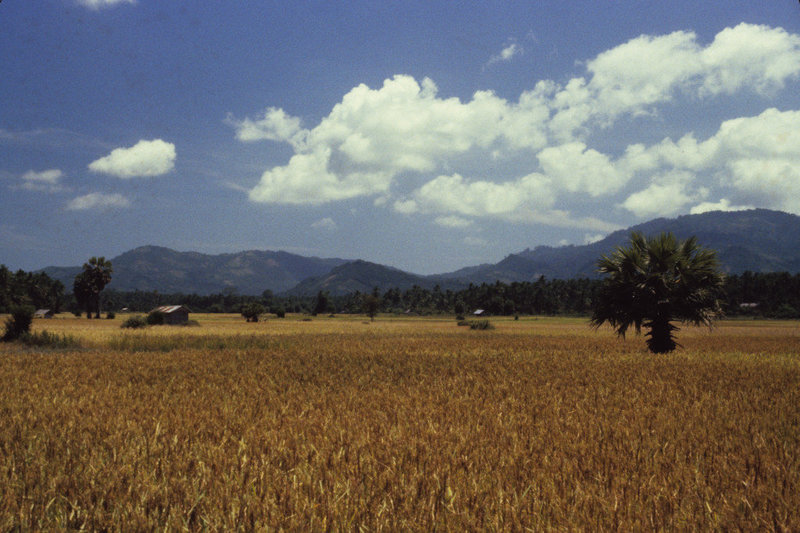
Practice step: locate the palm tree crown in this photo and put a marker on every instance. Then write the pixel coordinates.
(655, 281)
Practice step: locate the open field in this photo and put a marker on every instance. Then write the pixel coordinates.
(400, 424)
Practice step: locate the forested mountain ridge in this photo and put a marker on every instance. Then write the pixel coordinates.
(251, 272)
(757, 240)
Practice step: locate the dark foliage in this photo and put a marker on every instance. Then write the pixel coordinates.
(252, 311)
(776, 295)
(91, 281)
(36, 289)
(656, 281)
(19, 323)
(134, 322)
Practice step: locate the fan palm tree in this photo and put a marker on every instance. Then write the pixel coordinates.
(655, 281)
(90, 282)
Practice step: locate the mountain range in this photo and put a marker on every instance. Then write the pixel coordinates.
(758, 240)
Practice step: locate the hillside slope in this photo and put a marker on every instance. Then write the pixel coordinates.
(758, 240)
(150, 268)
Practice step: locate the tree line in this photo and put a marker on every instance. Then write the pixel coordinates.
(775, 295)
(35, 289)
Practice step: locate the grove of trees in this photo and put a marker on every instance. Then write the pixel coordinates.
(35, 289)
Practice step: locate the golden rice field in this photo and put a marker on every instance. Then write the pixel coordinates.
(400, 425)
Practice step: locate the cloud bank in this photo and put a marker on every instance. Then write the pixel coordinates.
(376, 141)
(144, 159)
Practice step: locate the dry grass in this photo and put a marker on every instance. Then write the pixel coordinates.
(400, 425)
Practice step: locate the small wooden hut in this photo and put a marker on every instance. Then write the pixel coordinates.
(173, 314)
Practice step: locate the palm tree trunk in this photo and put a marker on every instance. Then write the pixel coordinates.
(661, 339)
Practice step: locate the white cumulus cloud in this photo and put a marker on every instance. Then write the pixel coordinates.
(456, 195)
(667, 195)
(759, 157)
(575, 168)
(634, 77)
(275, 125)
(144, 159)
(97, 200)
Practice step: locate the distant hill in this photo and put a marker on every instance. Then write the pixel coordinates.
(758, 240)
(149, 268)
(363, 276)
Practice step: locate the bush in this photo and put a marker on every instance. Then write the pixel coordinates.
(134, 322)
(480, 324)
(786, 311)
(50, 340)
(111, 315)
(156, 318)
(252, 311)
(280, 312)
(19, 322)
(463, 323)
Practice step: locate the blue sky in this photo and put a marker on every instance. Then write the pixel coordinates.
(424, 135)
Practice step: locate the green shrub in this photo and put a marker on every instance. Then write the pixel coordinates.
(155, 318)
(134, 322)
(480, 324)
(19, 322)
(50, 340)
(786, 311)
(463, 323)
(252, 311)
(280, 312)
(111, 315)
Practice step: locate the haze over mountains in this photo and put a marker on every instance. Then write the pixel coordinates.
(757, 240)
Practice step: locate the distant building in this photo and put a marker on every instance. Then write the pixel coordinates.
(748, 305)
(173, 314)
(43, 313)
(478, 312)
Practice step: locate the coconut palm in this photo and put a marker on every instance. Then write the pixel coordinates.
(655, 281)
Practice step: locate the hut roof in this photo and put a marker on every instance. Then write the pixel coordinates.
(167, 309)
